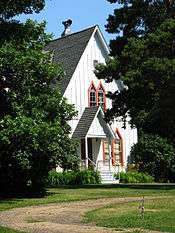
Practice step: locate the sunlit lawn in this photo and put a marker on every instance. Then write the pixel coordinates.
(159, 215)
(56, 195)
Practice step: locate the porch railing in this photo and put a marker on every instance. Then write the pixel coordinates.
(90, 163)
(103, 164)
(100, 165)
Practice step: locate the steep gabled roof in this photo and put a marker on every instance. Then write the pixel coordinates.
(68, 51)
(86, 120)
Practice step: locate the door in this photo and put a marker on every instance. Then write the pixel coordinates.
(90, 156)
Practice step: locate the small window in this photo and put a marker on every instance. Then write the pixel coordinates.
(92, 96)
(117, 150)
(105, 150)
(101, 97)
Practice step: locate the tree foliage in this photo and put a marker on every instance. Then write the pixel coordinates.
(34, 133)
(155, 156)
(145, 65)
(11, 8)
(136, 19)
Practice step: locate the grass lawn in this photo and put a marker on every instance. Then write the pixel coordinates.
(7, 230)
(159, 215)
(64, 194)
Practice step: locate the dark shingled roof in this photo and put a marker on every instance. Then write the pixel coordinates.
(85, 122)
(68, 51)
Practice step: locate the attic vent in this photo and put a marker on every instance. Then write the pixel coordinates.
(67, 29)
(95, 63)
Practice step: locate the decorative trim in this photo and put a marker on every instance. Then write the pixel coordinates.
(112, 152)
(100, 86)
(92, 86)
(122, 148)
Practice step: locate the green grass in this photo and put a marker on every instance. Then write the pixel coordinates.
(7, 230)
(63, 194)
(159, 215)
(68, 194)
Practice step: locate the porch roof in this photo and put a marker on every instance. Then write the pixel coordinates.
(87, 118)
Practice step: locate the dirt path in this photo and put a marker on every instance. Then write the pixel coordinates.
(58, 218)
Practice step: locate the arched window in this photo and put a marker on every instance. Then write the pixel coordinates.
(92, 95)
(101, 97)
(117, 149)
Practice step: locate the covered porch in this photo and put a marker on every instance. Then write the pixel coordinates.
(96, 139)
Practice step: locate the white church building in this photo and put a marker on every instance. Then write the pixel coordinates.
(103, 146)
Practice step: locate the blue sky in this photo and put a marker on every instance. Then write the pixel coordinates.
(84, 13)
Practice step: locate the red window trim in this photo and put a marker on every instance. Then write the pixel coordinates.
(92, 86)
(100, 86)
(103, 144)
(122, 148)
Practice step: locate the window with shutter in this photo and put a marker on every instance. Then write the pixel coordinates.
(105, 150)
(117, 149)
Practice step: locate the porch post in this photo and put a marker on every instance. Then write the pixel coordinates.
(86, 152)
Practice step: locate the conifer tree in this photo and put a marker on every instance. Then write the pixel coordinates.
(144, 62)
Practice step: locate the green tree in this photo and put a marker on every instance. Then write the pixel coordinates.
(136, 18)
(9, 9)
(145, 65)
(155, 156)
(34, 133)
(147, 69)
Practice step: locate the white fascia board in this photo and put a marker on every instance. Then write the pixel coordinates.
(102, 39)
(108, 127)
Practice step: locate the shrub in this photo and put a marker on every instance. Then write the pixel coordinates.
(73, 177)
(134, 177)
(155, 156)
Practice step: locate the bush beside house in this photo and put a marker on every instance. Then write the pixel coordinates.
(73, 177)
(134, 177)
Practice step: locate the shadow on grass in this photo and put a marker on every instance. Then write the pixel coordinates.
(164, 186)
(17, 196)
(25, 194)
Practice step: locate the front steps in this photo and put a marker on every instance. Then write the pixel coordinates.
(107, 178)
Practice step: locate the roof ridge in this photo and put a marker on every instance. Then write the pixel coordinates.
(68, 51)
(86, 29)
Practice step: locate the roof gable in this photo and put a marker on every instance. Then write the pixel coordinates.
(86, 121)
(68, 51)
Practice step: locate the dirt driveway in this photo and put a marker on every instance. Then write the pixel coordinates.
(58, 218)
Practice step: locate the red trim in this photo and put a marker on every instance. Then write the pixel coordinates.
(112, 152)
(122, 145)
(100, 86)
(92, 86)
(122, 148)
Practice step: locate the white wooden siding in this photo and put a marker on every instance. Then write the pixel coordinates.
(77, 92)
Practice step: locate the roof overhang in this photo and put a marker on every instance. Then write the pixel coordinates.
(106, 127)
(92, 124)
